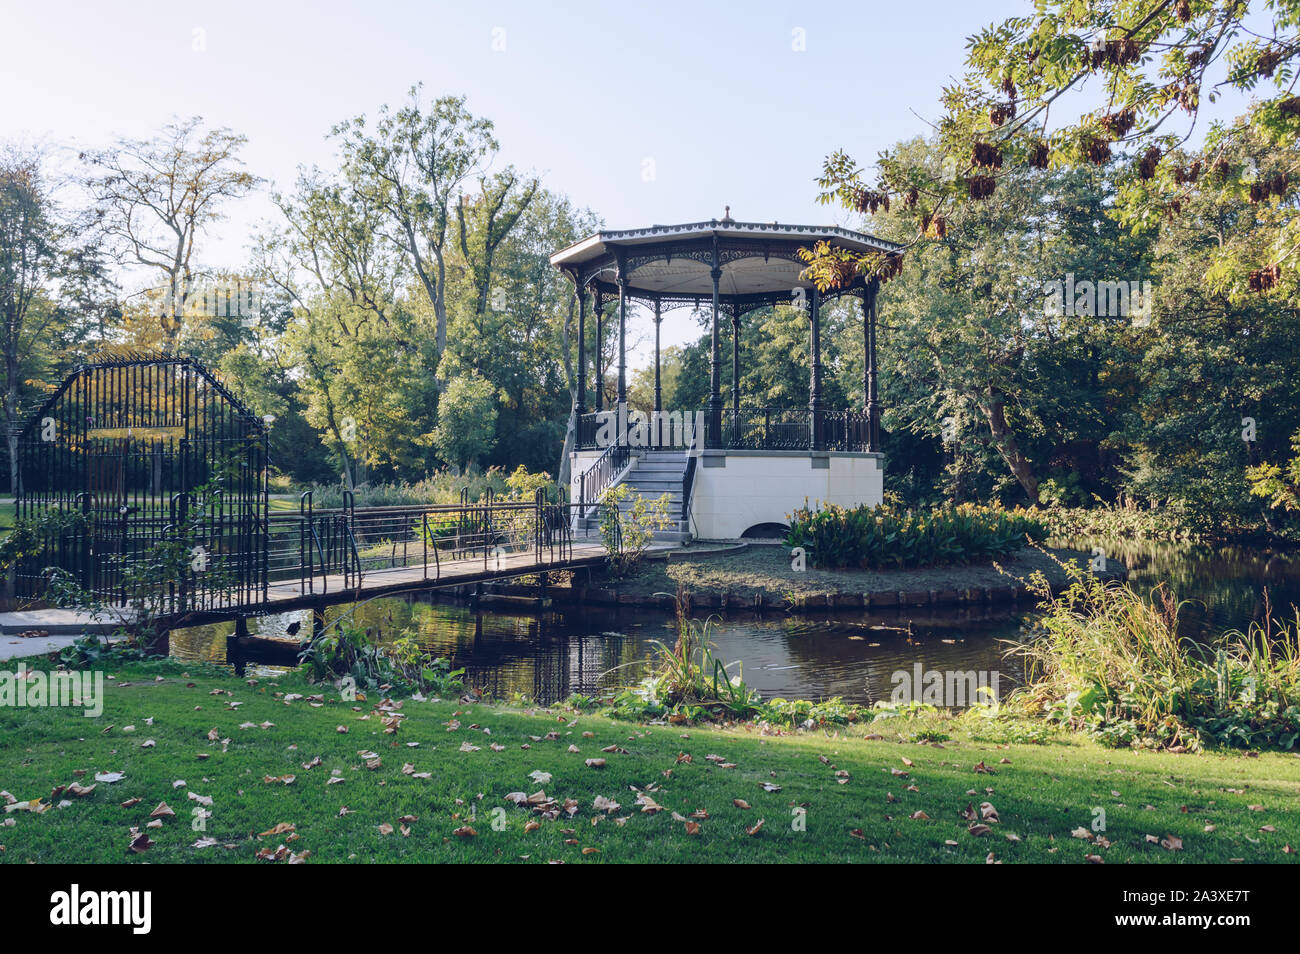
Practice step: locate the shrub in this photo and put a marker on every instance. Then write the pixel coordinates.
(1112, 664)
(628, 532)
(886, 536)
(443, 487)
(1125, 520)
(347, 650)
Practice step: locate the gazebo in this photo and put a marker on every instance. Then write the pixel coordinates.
(755, 464)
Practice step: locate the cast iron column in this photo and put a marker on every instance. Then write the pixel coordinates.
(735, 364)
(622, 333)
(659, 394)
(600, 352)
(815, 372)
(715, 363)
(873, 402)
(580, 407)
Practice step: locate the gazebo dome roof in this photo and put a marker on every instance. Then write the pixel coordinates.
(674, 262)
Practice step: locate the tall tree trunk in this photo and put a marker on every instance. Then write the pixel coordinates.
(440, 309)
(11, 422)
(11, 435)
(994, 408)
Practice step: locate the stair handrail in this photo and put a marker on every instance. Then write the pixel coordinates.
(599, 477)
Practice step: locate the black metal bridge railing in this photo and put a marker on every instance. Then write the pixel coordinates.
(248, 562)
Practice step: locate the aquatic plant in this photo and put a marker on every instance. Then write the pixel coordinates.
(1111, 663)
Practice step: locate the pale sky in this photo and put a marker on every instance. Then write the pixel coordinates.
(728, 104)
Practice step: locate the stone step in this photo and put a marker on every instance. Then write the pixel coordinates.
(656, 468)
(653, 483)
(655, 487)
(679, 532)
(627, 503)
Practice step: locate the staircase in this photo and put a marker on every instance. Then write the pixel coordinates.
(653, 474)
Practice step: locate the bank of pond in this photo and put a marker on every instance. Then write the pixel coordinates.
(514, 647)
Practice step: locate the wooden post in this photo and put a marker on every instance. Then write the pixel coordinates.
(235, 646)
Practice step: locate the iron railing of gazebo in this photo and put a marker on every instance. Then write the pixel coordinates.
(766, 428)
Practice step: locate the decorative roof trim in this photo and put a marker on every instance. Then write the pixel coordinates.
(580, 251)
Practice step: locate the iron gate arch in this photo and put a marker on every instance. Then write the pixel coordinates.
(146, 448)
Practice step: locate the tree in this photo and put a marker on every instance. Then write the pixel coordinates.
(467, 421)
(520, 335)
(1219, 391)
(1142, 70)
(155, 198)
(39, 255)
(971, 349)
(367, 358)
(414, 167)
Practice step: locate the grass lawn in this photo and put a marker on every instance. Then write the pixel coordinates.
(836, 797)
(766, 569)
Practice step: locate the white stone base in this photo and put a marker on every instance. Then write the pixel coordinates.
(736, 490)
(757, 487)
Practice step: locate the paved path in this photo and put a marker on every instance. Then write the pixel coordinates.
(13, 647)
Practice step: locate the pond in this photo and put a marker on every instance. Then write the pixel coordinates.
(545, 656)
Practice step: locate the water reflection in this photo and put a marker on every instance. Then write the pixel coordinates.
(546, 656)
(1224, 586)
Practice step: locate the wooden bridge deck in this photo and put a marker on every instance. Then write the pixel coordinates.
(289, 594)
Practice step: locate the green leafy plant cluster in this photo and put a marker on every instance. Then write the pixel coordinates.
(688, 682)
(349, 650)
(442, 487)
(889, 537)
(1123, 520)
(800, 713)
(95, 652)
(1112, 664)
(1278, 484)
(628, 532)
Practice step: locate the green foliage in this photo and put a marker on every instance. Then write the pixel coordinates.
(350, 651)
(1112, 664)
(29, 535)
(440, 487)
(524, 485)
(886, 537)
(93, 652)
(628, 532)
(466, 420)
(1123, 520)
(1280, 485)
(802, 714)
(688, 681)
